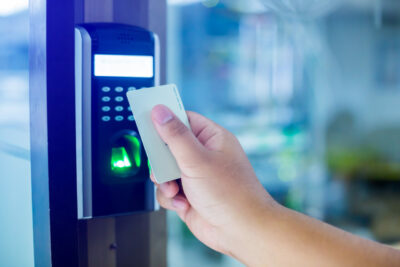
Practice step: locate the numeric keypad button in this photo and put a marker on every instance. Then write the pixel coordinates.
(119, 118)
(106, 89)
(131, 88)
(105, 118)
(105, 99)
(119, 89)
(119, 108)
(106, 108)
(119, 99)
(131, 118)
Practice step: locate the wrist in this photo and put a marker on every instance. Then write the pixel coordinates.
(247, 238)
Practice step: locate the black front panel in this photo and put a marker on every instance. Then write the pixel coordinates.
(120, 181)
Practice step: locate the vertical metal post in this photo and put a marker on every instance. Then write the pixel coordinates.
(52, 132)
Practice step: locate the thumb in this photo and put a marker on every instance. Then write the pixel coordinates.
(185, 147)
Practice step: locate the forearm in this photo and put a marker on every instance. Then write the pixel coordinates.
(282, 237)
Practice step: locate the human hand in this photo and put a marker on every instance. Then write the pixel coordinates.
(220, 195)
(225, 206)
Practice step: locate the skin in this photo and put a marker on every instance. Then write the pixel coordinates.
(225, 206)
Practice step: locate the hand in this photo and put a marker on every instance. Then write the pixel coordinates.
(226, 208)
(220, 194)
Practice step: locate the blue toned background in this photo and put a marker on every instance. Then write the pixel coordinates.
(16, 234)
(313, 98)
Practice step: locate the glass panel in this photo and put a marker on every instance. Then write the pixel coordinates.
(311, 93)
(16, 241)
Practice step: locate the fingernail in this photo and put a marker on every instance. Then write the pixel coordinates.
(179, 203)
(162, 115)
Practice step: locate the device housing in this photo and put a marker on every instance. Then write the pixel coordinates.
(112, 167)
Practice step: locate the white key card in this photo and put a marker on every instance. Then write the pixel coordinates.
(163, 163)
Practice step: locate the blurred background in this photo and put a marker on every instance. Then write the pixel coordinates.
(312, 91)
(16, 235)
(310, 87)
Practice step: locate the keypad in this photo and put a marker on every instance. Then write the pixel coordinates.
(115, 105)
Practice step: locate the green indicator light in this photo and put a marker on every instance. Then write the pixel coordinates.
(148, 165)
(120, 159)
(136, 150)
(126, 156)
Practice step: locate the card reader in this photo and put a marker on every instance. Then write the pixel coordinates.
(112, 168)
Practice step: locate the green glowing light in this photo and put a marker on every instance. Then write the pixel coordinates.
(126, 156)
(136, 150)
(120, 159)
(148, 165)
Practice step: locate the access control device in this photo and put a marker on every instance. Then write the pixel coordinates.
(112, 167)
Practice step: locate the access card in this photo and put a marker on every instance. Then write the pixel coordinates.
(163, 163)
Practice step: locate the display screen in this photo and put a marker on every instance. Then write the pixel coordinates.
(123, 66)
